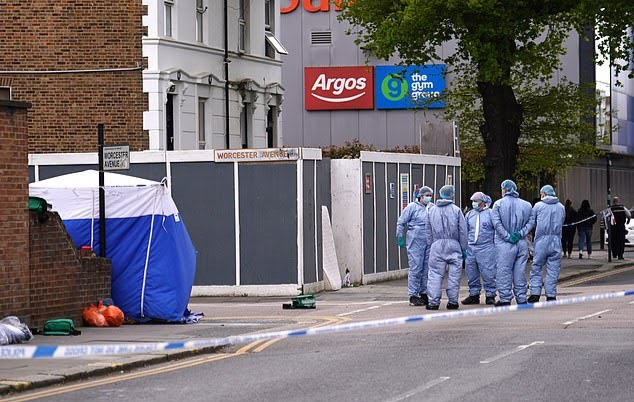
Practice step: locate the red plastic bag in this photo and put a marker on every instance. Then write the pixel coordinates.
(114, 316)
(101, 308)
(93, 318)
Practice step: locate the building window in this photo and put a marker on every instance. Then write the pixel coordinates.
(169, 5)
(5, 93)
(271, 124)
(271, 43)
(243, 17)
(245, 125)
(201, 122)
(200, 11)
(268, 26)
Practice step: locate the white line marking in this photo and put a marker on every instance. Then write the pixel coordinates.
(510, 352)
(357, 311)
(585, 317)
(418, 390)
(632, 302)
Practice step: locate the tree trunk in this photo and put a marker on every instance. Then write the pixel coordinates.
(500, 131)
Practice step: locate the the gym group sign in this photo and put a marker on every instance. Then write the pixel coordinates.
(356, 88)
(339, 88)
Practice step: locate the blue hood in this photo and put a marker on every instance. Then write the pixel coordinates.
(549, 199)
(443, 203)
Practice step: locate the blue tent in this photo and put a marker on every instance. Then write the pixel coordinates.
(153, 258)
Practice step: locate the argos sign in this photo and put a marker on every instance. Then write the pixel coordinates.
(339, 88)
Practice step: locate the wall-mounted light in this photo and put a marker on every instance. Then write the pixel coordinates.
(178, 75)
(210, 79)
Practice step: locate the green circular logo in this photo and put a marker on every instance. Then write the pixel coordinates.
(393, 87)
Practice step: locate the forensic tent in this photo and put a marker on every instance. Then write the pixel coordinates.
(153, 258)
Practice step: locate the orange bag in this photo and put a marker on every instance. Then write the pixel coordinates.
(93, 318)
(101, 308)
(114, 316)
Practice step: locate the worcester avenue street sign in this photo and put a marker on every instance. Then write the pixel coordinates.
(116, 157)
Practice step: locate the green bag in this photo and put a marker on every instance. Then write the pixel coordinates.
(60, 326)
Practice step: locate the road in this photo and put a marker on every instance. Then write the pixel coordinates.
(580, 352)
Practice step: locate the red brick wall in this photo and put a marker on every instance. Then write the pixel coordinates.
(44, 35)
(62, 282)
(14, 218)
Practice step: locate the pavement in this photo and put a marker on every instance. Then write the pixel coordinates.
(228, 317)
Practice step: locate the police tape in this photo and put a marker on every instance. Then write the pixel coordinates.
(70, 351)
(581, 221)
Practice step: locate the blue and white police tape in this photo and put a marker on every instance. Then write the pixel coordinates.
(69, 351)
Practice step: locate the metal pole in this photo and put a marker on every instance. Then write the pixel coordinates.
(226, 62)
(609, 223)
(102, 194)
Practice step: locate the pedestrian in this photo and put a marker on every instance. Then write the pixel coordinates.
(481, 251)
(568, 233)
(547, 219)
(510, 216)
(415, 217)
(586, 218)
(447, 237)
(622, 216)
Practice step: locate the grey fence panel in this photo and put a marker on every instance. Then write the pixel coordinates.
(417, 176)
(458, 185)
(204, 194)
(441, 172)
(46, 172)
(323, 198)
(392, 216)
(310, 273)
(268, 223)
(368, 220)
(381, 240)
(149, 171)
(429, 179)
(403, 168)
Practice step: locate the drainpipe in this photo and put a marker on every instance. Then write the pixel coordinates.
(226, 61)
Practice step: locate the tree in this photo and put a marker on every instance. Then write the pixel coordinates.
(498, 44)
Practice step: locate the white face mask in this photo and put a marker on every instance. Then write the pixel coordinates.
(426, 200)
(476, 205)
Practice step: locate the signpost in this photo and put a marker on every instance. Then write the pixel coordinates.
(116, 157)
(256, 155)
(102, 194)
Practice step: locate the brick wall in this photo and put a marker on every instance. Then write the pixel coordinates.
(62, 282)
(44, 35)
(14, 218)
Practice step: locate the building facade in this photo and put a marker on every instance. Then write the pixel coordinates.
(79, 64)
(213, 77)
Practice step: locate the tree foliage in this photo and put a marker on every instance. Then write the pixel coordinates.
(502, 56)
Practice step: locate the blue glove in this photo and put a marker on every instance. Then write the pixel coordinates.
(464, 254)
(401, 241)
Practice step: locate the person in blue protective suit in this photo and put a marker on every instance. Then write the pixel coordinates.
(481, 251)
(414, 216)
(547, 218)
(447, 239)
(511, 216)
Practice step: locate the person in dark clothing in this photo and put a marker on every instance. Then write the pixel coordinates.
(586, 218)
(618, 231)
(568, 232)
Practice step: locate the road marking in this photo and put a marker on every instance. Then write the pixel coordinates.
(632, 302)
(256, 346)
(357, 311)
(418, 390)
(585, 317)
(595, 276)
(510, 352)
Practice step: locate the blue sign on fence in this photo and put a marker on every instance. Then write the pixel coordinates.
(413, 87)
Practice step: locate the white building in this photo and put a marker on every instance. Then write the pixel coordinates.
(186, 78)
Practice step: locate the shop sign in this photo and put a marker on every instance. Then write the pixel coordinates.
(312, 6)
(413, 87)
(256, 155)
(338, 88)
